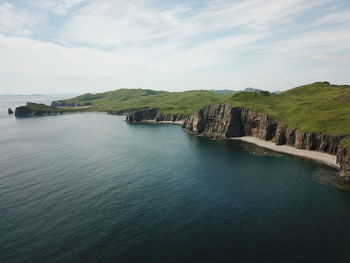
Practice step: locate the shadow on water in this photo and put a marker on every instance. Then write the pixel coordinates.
(328, 176)
(322, 173)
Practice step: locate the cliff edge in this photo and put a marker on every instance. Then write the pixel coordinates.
(152, 115)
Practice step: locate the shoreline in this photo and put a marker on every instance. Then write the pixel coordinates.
(324, 158)
(158, 122)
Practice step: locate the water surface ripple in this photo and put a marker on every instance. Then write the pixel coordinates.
(91, 188)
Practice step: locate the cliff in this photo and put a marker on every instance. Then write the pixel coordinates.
(222, 120)
(343, 158)
(152, 115)
(34, 109)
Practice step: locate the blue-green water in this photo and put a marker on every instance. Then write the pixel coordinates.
(92, 188)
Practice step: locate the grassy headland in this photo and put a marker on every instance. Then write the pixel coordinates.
(125, 100)
(317, 107)
(36, 109)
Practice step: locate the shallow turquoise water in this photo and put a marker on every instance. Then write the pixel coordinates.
(92, 188)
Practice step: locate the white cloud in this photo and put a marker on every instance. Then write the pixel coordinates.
(332, 18)
(219, 44)
(59, 7)
(253, 14)
(111, 23)
(40, 58)
(318, 43)
(137, 23)
(16, 22)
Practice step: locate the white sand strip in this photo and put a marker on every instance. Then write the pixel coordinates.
(160, 122)
(171, 122)
(325, 158)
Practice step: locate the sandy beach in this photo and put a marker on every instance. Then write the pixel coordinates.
(160, 122)
(317, 156)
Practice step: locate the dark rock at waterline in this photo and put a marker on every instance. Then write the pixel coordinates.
(140, 115)
(35, 109)
(10, 111)
(23, 111)
(152, 115)
(343, 158)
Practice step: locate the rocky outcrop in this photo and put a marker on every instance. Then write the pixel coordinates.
(222, 120)
(147, 114)
(308, 140)
(24, 111)
(216, 120)
(9, 111)
(343, 159)
(152, 115)
(317, 142)
(34, 109)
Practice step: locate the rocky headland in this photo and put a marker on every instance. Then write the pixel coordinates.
(35, 109)
(224, 121)
(153, 115)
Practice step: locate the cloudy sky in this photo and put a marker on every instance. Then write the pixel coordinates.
(77, 46)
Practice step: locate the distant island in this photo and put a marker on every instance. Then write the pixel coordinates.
(21, 95)
(313, 117)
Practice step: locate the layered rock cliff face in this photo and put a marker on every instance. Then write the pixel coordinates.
(343, 158)
(222, 120)
(152, 115)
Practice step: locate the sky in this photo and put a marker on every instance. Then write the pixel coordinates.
(79, 46)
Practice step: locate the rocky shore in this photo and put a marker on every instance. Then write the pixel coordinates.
(222, 120)
(35, 109)
(153, 115)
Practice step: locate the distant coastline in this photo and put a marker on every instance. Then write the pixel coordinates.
(313, 117)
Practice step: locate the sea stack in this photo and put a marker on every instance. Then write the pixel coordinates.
(10, 111)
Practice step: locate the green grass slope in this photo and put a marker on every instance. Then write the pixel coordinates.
(186, 102)
(318, 107)
(131, 99)
(107, 99)
(41, 107)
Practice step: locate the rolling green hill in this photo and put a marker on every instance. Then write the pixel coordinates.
(318, 107)
(107, 99)
(124, 100)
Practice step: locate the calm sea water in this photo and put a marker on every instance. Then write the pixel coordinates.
(92, 188)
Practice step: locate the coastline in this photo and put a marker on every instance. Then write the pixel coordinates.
(325, 158)
(158, 122)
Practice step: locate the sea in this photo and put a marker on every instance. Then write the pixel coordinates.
(89, 187)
